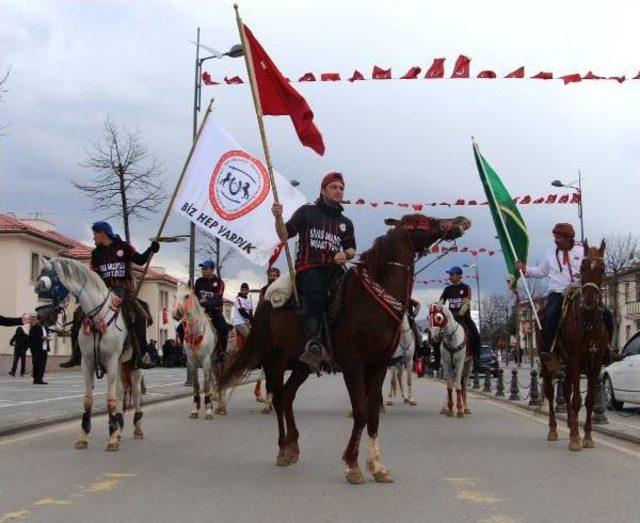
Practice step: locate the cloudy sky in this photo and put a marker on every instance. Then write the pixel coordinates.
(73, 63)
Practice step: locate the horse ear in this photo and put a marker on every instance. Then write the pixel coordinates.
(603, 247)
(586, 247)
(391, 222)
(46, 263)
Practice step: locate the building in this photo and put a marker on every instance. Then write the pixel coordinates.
(24, 243)
(622, 296)
(527, 327)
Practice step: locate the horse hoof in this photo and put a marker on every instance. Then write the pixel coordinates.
(552, 436)
(575, 446)
(282, 461)
(444, 410)
(460, 414)
(293, 458)
(112, 447)
(221, 410)
(208, 415)
(467, 410)
(193, 415)
(138, 435)
(265, 410)
(449, 414)
(588, 444)
(383, 476)
(413, 403)
(406, 401)
(80, 445)
(389, 403)
(261, 399)
(354, 477)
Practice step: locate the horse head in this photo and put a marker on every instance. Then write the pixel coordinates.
(592, 273)
(424, 230)
(439, 319)
(49, 286)
(186, 303)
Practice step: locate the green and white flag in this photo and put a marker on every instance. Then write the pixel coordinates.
(512, 231)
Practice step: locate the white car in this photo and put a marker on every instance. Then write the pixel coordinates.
(622, 378)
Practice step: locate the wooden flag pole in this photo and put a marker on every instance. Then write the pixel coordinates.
(174, 194)
(263, 135)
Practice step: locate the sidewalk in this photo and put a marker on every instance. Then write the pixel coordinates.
(26, 406)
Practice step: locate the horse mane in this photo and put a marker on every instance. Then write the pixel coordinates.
(183, 288)
(72, 271)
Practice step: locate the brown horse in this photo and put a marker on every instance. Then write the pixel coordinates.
(584, 339)
(363, 337)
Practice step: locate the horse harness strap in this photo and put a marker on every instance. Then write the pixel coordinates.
(390, 304)
(453, 349)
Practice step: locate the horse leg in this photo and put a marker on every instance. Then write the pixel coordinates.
(392, 386)
(87, 371)
(193, 367)
(589, 401)
(274, 376)
(400, 371)
(136, 377)
(465, 382)
(373, 382)
(457, 380)
(298, 377)
(573, 404)
(208, 387)
(412, 400)
(354, 380)
(113, 384)
(547, 380)
(222, 398)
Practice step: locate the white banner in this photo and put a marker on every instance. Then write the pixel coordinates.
(227, 193)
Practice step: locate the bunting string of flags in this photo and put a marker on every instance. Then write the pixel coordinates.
(474, 251)
(437, 70)
(519, 200)
(443, 280)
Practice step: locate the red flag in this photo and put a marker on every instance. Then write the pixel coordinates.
(473, 252)
(346, 202)
(359, 201)
(539, 200)
(518, 73)
(525, 200)
(276, 254)
(459, 201)
(461, 69)
(357, 75)
(381, 74)
(618, 79)
(482, 249)
(206, 78)
(278, 97)
(373, 204)
(454, 249)
(403, 204)
(591, 76)
(491, 253)
(435, 249)
(234, 80)
(464, 249)
(387, 202)
(417, 207)
(437, 69)
(543, 76)
(412, 73)
(487, 74)
(329, 77)
(307, 77)
(564, 198)
(636, 77)
(570, 78)
(551, 198)
(575, 197)
(472, 202)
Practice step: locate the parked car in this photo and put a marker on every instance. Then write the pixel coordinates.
(622, 378)
(488, 360)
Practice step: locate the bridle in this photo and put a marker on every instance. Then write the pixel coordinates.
(192, 339)
(444, 336)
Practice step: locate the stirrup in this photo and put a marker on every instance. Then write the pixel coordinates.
(312, 355)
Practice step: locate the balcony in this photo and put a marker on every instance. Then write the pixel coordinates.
(632, 310)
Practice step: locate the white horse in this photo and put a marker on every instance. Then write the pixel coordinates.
(102, 344)
(402, 361)
(200, 340)
(455, 357)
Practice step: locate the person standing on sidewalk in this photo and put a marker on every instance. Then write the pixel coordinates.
(39, 344)
(20, 344)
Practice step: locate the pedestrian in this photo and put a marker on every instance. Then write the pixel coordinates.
(20, 344)
(39, 338)
(152, 352)
(242, 315)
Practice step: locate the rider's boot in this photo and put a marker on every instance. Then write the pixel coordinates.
(313, 349)
(139, 345)
(75, 358)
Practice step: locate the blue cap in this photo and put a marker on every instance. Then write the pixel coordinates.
(207, 264)
(103, 227)
(455, 270)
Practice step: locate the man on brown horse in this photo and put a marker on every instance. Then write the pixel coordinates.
(561, 265)
(325, 238)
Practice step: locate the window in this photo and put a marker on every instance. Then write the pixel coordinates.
(626, 292)
(164, 299)
(632, 348)
(36, 264)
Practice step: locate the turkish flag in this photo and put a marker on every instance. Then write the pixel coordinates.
(525, 200)
(359, 201)
(571, 78)
(591, 76)
(539, 200)
(387, 202)
(487, 74)
(373, 204)
(234, 80)
(381, 74)
(278, 97)
(473, 252)
(575, 197)
(618, 79)
(472, 202)
(276, 254)
(206, 78)
(461, 69)
(543, 76)
(564, 198)
(330, 77)
(307, 77)
(551, 198)
(518, 73)
(436, 70)
(357, 75)
(417, 207)
(459, 201)
(412, 73)
(404, 205)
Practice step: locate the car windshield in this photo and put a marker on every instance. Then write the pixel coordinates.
(633, 347)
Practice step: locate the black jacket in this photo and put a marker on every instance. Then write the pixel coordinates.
(36, 333)
(20, 341)
(10, 322)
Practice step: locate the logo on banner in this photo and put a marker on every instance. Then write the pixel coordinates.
(239, 183)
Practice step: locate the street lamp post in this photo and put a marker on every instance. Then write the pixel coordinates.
(578, 188)
(477, 275)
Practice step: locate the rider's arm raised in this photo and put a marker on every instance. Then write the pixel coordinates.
(539, 271)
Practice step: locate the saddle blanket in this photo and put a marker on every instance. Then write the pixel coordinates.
(280, 291)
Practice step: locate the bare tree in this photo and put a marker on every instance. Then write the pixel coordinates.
(622, 251)
(498, 318)
(208, 247)
(125, 178)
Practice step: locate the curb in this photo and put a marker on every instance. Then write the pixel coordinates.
(602, 429)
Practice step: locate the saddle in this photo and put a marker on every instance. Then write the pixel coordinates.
(567, 297)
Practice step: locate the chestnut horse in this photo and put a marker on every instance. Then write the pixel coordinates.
(584, 339)
(363, 338)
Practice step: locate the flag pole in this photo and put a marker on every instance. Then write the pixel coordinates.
(263, 135)
(174, 194)
(506, 232)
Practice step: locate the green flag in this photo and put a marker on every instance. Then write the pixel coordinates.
(512, 231)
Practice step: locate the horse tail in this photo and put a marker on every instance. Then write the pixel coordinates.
(126, 376)
(251, 355)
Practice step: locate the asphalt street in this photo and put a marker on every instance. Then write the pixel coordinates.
(494, 466)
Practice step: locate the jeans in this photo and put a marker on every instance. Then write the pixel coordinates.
(312, 284)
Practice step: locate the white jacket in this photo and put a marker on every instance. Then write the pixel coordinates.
(560, 277)
(244, 303)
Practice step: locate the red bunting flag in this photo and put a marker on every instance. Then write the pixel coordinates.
(357, 75)
(539, 200)
(518, 73)
(618, 79)
(473, 252)
(461, 69)
(329, 77)
(206, 78)
(464, 249)
(417, 207)
(233, 80)
(388, 203)
(482, 249)
(403, 205)
(278, 97)
(491, 253)
(459, 201)
(542, 75)
(437, 69)
(346, 202)
(412, 73)
(487, 74)
(591, 76)
(307, 77)
(435, 249)
(575, 197)
(551, 198)
(636, 77)
(359, 201)
(564, 198)
(373, 204)
(525, 200)
(571, 78)
(381, 74)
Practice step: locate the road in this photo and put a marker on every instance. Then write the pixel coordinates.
(494, 466)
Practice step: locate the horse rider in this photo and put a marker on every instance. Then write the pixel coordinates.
(412, 313)
(458, 296)
(325, 238)
(273, 273)
(209, 290)
(561, 264)
(111, 260)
